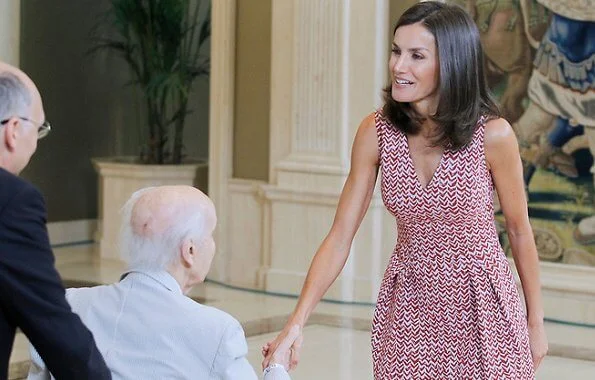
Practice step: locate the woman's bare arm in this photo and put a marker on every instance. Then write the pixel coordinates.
(334, 250)
(505, 164)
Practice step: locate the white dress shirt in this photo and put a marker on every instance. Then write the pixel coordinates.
(146, 328)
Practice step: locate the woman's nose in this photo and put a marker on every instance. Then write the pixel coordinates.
(399, 65)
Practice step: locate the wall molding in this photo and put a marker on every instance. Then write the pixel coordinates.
(567, 277)
(568, 290)
(221, 122)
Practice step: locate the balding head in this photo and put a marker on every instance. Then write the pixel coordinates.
(157, 209)
(34, 94)
(6, 68)
(21, 113)
(160, 223)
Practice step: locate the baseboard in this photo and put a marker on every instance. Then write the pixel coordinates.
(568, 293)
(72, 231)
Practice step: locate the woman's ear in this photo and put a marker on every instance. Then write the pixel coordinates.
(188, 253)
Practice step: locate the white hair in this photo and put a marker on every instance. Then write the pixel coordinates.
(15, 97)
(161, 250)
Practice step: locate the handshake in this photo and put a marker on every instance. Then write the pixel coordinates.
(284, 350)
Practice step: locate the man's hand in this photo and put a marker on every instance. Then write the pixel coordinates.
(285, 349)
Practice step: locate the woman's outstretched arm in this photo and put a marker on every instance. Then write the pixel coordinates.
(334, 250)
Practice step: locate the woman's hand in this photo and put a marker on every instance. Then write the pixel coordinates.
(538, 342)
(331, 256)
(285, 348)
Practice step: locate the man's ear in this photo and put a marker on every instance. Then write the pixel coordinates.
(188, 252)
(11, 131)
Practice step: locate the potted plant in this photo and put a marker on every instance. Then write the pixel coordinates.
(160, 41)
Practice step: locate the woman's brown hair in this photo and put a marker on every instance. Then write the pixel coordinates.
(463, 91)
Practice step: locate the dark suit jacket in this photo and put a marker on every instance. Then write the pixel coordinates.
(31, 292)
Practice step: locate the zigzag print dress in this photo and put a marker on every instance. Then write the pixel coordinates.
(448, 307)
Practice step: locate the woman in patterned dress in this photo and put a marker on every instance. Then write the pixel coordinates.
(448, 306)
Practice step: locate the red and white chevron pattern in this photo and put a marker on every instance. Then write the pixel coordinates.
(448, 306)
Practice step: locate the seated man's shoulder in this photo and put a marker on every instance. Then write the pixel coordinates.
(78, 292)
(210, 321)
(84, 296)
(209, 314)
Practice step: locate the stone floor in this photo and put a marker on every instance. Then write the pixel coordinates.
(337, 339)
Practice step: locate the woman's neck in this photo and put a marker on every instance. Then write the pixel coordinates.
(425, 107)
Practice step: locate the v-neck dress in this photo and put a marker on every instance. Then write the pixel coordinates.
(448, 306)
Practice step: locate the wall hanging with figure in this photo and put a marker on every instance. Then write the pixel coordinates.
(540, 59)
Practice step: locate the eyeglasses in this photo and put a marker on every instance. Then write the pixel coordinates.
(42, 130)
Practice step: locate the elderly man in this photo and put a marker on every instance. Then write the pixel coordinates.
(31, 292)
(144, 325)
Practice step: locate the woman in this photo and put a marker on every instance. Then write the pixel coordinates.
(448, 305)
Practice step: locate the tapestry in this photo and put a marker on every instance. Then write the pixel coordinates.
(540, 60)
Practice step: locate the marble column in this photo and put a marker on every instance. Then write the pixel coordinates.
(329, 64)
(221, 119)
(10, 24)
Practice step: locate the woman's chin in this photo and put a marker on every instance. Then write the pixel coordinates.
(399, 96)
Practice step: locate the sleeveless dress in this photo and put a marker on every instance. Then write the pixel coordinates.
(448, 306)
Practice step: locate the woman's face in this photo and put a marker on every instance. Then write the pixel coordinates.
(414, 68)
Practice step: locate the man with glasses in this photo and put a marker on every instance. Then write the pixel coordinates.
(31, 293)
(42, 131)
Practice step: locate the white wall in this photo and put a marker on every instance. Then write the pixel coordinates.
(10, 23)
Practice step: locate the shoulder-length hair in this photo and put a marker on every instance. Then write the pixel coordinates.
(463, 92)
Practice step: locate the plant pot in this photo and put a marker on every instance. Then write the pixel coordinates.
(119, 177)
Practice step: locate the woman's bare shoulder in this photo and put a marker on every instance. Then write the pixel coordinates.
(365, 144)
(498, 131)
(500, 142)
